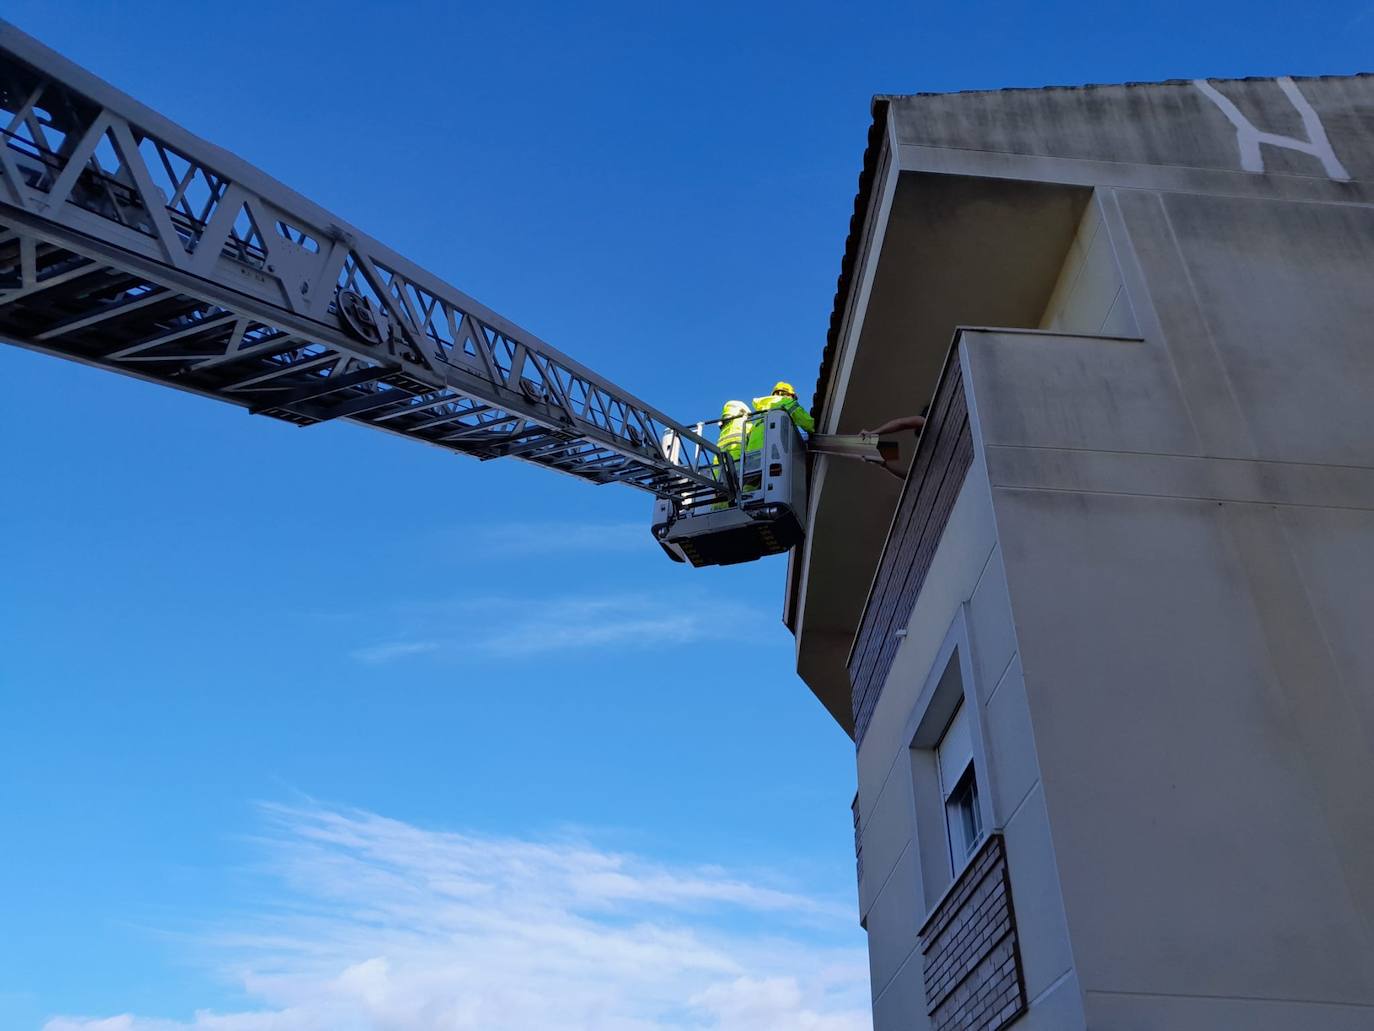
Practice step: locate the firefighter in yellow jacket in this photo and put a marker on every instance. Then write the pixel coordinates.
(730, 439)
(785, 398)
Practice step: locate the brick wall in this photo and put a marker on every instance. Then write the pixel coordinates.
(973, 979)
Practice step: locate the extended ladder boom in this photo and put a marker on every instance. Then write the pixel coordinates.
(130, 244)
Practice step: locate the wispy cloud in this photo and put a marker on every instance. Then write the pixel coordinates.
(625, 620)
(377, 924)
(377, 654)
(515, 626)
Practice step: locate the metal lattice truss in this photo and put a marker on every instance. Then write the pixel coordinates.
(129, 244)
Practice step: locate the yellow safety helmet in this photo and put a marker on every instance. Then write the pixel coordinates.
(784, 388)
(734, 408)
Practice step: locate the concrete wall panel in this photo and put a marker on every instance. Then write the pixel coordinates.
(1183, 476)
(1111, 395)
(1010, 744)
(902, 1005)
(893, 923)
(1333, 550)
(1127, 1012)
(1058, 1009)
(1096, 288)
(888, 830)
(992, 635)
(1172, 125)
(1285, 288)
(1120, 320)
(1044, 934)
(1072, 267)
(1181, 794)
(1090, 282)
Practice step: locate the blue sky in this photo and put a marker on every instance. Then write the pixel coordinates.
(321, 729)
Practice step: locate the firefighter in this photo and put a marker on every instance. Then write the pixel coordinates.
(784, 397)
(730, 439)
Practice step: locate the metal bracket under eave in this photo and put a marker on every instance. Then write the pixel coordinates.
(863, 446)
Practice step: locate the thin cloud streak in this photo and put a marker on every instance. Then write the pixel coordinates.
(378, 654)
(379, 925)
(630, 620)
(511, 628)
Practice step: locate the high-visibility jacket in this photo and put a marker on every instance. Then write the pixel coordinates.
(755, 441)
(730, 439)
(800, 417)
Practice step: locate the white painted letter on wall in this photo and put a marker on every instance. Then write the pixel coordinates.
(1249, 138)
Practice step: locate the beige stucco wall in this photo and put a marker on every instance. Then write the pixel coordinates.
(1090, 295)
(1187, 527)
(965, 590)
(1163, 554)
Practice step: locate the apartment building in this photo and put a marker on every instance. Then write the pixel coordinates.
(1107, 651)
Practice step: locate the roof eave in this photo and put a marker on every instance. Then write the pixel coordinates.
(877, 131)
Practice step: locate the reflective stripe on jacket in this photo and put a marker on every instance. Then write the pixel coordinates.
(731, 436)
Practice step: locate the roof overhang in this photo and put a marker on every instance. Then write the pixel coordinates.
(967, 204)
(927, 253)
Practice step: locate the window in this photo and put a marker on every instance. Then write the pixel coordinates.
(963, 819)
(959, 789)
(949, 773)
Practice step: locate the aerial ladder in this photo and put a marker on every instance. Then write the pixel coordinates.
(130, 244)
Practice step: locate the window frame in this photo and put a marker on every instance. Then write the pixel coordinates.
(949, 690)
(964, 809)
